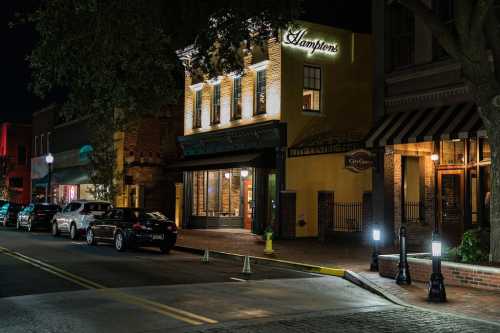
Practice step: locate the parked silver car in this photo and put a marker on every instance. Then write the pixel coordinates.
(76, 216)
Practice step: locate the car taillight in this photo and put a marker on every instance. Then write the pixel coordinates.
(171, 227)
(138, 227)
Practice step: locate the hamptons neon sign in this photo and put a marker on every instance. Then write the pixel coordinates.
(297, 39)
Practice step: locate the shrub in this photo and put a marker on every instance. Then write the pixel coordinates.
(471, 251)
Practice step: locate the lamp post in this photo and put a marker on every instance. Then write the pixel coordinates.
(49, 159)
(403, 276)
(437, 292)
(376, 240)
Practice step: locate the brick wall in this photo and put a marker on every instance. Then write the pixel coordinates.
(454, 274)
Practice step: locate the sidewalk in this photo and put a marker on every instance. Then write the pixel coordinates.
(473, 303)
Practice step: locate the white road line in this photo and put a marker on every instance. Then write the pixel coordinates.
(238, 279)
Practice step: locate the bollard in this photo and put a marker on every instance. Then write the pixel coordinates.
(206, 257)
(246, 266)
(403, 276)
(268, 250)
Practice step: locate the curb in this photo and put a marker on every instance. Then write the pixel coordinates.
(339, 272)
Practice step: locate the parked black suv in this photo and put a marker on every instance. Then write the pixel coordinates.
(8, 213)
(132, 227)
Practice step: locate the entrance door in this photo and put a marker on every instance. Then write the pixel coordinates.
(247, 203)
(451, 205)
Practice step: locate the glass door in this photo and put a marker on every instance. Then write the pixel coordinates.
(451, 205)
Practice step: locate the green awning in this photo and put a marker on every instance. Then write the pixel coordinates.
(65, 176)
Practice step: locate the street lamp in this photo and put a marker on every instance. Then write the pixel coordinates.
(376, 240)
(49, 159)
(437, 292)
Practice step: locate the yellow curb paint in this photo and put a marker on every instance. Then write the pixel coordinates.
(333, 271)
(185, 316)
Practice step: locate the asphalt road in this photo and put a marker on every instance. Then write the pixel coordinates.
(55, 285)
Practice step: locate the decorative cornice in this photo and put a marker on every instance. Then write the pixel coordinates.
(433, 95)
(421, 72)
(197, 86)
(259, 66)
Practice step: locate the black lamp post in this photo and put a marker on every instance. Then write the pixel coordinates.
(403, 276)
(437, 292)
(49, 159)
(376, 240)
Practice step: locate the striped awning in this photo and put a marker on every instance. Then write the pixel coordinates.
(448, 122)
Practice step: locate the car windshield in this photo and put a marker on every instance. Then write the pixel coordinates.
(48, 208)
(96, 206)
(140, 214)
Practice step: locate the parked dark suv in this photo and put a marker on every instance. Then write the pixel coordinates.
(36, 216)
(132, 227)
(8, 213)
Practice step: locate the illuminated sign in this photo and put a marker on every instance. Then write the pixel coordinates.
(298, 39)
(358, 160)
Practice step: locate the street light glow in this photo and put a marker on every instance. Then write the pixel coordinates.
(436, 248)
(435, 157)
(49, 158)
(244, 173)
(376, 234)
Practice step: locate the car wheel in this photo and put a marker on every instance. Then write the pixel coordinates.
(73, 233)
(119, 242)
(90, 237)
(165, 248)
(55, 229)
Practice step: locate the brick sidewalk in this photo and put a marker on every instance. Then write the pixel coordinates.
(463, 301)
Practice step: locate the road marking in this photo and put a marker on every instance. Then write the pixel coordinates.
(182, 315)
(238, 279)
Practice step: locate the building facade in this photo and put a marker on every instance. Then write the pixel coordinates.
(142, 151)
(15, 150)
(260, 146)
(422, 107)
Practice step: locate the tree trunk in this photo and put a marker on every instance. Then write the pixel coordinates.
(494, 140)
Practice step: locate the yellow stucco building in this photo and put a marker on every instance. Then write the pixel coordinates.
(260, 146)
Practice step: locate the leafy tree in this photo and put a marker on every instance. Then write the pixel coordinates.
(474, 42)
(104, 55)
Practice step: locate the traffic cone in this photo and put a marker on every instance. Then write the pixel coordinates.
(246, 266)
(206, 257)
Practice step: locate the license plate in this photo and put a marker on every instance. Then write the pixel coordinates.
(159, 237)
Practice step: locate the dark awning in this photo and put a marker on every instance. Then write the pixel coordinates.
(458, 121)
(225, 161)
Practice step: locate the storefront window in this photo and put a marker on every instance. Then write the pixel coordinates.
(484, 150)
(452, 152)
(199, 186)
(472, 151)
(222, 190)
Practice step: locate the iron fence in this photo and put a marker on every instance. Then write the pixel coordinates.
(413, 210)
(347, 217)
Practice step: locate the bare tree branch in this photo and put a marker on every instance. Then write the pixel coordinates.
(438, 28)
(492, 33)
(463, 10)
(479, 16)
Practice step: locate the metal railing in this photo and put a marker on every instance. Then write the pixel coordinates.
(413, 211)
(347, 217)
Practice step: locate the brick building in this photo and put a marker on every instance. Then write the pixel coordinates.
(422, 106)
(262, 145)
(15, 150)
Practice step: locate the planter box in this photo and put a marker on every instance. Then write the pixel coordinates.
(455, 274)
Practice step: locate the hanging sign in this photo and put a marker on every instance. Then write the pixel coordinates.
(298, 39)
(358, 160)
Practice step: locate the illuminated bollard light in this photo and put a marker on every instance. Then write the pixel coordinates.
(376, 240)
(437, 292)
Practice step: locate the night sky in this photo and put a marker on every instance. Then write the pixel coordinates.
(18, 102)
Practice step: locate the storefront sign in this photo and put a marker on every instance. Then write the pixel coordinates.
(298, 39)
(358, 160)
